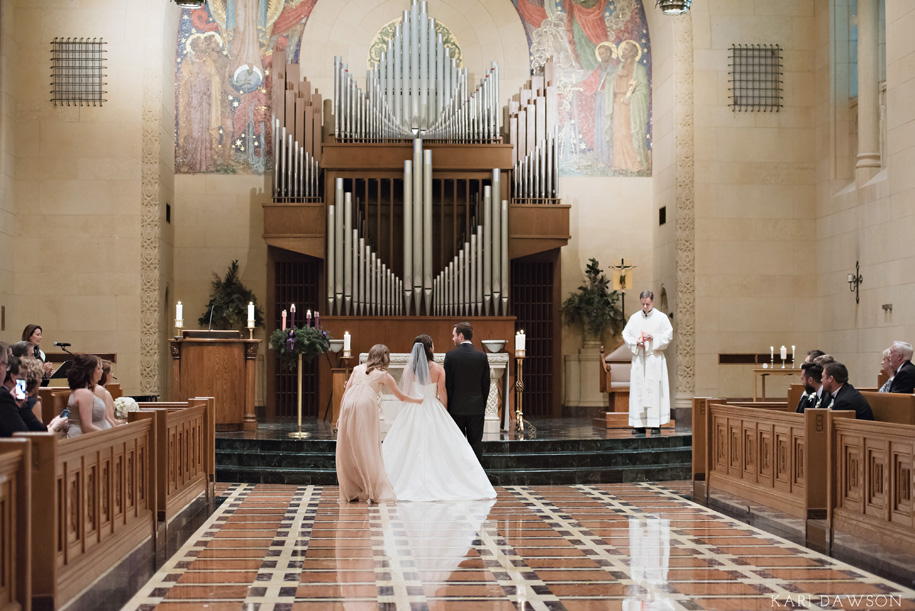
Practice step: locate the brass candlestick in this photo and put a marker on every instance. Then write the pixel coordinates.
(523, 428)
(299, 434)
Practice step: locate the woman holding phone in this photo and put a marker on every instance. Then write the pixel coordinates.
(15, 418)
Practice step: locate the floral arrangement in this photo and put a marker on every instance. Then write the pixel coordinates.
(290, 343)
(124, 405)
(595, 304)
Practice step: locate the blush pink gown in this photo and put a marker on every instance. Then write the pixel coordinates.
(360, 468)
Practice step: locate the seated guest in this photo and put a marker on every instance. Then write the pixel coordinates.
(886, 366)
(901, 360)
(87, 411)
(812, 354)
(823, 398)
(844, 395)
(23, 350)
(811, 378)
(13, 417)
(32, 334)
(32, 371)
(101, 391)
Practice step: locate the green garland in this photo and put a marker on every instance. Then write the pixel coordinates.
(307, 341)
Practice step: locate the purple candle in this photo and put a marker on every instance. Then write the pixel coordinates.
(308, 318)
(317, 319)
(292, 316)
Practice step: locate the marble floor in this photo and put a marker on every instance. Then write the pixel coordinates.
(600, 547)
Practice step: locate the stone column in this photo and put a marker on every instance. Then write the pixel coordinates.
(868, 161)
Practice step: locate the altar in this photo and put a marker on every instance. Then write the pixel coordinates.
(390, 406)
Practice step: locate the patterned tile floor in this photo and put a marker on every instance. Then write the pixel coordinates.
(601, 547)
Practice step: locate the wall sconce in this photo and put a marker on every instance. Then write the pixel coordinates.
(854, 282)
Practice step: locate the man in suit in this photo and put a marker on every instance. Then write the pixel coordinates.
(901, 361)
(467, 385)
(823, 398)
(812, 379)
(844, 395)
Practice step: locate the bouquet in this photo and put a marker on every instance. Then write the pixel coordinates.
(290, 343)
(124, 405)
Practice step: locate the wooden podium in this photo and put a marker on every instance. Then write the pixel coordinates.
(217, 364)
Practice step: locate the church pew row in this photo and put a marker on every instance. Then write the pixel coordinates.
(186, 451)
(93, 501)
(109, 491)
(15, 520)
(871, 469)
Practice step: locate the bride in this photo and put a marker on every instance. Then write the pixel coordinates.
(426, 456)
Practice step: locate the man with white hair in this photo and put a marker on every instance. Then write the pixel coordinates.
(901, 362)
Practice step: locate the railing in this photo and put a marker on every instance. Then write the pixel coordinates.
(769, 457)
(93, 502)
(15, 525)
(185, 451)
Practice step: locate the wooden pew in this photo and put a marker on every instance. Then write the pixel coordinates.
(93, 502)
(115, 389)
(185, 452)
(891, 406)
(870, 480)
(53, 401)
(15, 525)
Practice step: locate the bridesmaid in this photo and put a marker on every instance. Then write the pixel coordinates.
(360, 469)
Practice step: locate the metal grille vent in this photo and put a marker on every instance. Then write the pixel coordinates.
(78, 72)
(756, 78)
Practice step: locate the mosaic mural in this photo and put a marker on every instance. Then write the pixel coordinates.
(386, 33)
(222, 100)
(603, 68)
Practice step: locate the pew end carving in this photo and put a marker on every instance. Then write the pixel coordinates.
(15, 525)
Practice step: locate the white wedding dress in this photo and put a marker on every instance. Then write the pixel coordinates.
(428, 459)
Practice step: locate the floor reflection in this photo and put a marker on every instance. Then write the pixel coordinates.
(433, 539)
(649, 551)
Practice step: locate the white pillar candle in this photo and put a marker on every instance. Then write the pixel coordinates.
(347, 341)
(250, 314)
(792, 352)
(179, 311)
(783, 353)
(771, 353)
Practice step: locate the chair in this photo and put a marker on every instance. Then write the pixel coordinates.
(615, 369)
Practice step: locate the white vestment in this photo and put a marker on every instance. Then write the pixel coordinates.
(649, 391)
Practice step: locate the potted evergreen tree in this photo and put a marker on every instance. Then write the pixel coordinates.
(594, 305)
(228, 303)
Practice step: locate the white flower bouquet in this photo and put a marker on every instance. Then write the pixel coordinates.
(124, 405)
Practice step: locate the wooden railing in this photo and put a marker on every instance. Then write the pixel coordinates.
(871, 470)
(15, 525)
(93, 501)
(186, 452)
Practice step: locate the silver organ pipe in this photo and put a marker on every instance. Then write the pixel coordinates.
(408, 232)
(487, 249)
(418, 224)
(427, 230)
(338, 247)
(331, 251)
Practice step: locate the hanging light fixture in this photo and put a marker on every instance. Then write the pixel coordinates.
(674, 7)
(190, 3)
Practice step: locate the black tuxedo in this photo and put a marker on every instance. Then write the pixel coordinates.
(848, 398)
(904, 380)
(467, 385)
(806, 402)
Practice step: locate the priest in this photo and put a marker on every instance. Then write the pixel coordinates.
(648, 334)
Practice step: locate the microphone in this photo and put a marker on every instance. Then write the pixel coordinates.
(211, 317)
(63, 344)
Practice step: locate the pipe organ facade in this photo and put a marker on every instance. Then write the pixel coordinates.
(392, 174)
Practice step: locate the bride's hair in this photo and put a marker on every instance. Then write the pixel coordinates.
(379, 358)
(426, 341)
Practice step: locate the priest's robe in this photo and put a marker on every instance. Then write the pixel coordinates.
(649, 389)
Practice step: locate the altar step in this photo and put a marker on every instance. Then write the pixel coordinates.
(508, 462)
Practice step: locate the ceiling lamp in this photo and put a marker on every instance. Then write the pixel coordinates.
(190, 3)
(674, 7)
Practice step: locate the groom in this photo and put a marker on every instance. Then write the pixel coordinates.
(467, 385)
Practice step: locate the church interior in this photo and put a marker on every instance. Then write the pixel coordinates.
(230, 202)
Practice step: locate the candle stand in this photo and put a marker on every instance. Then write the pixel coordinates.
(522, 428)
(299, 434)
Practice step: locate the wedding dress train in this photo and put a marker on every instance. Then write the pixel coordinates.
(428, 459)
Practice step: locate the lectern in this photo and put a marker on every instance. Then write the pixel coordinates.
(217, 364)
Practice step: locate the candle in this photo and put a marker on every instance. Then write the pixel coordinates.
(347, 341)
(250, 314)
(317, 319)
(783, 353)
(518, 341)
(792, 352)
(284, 320)
(308, 318)
(179, 311)
(292, 315)
(771, 353)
